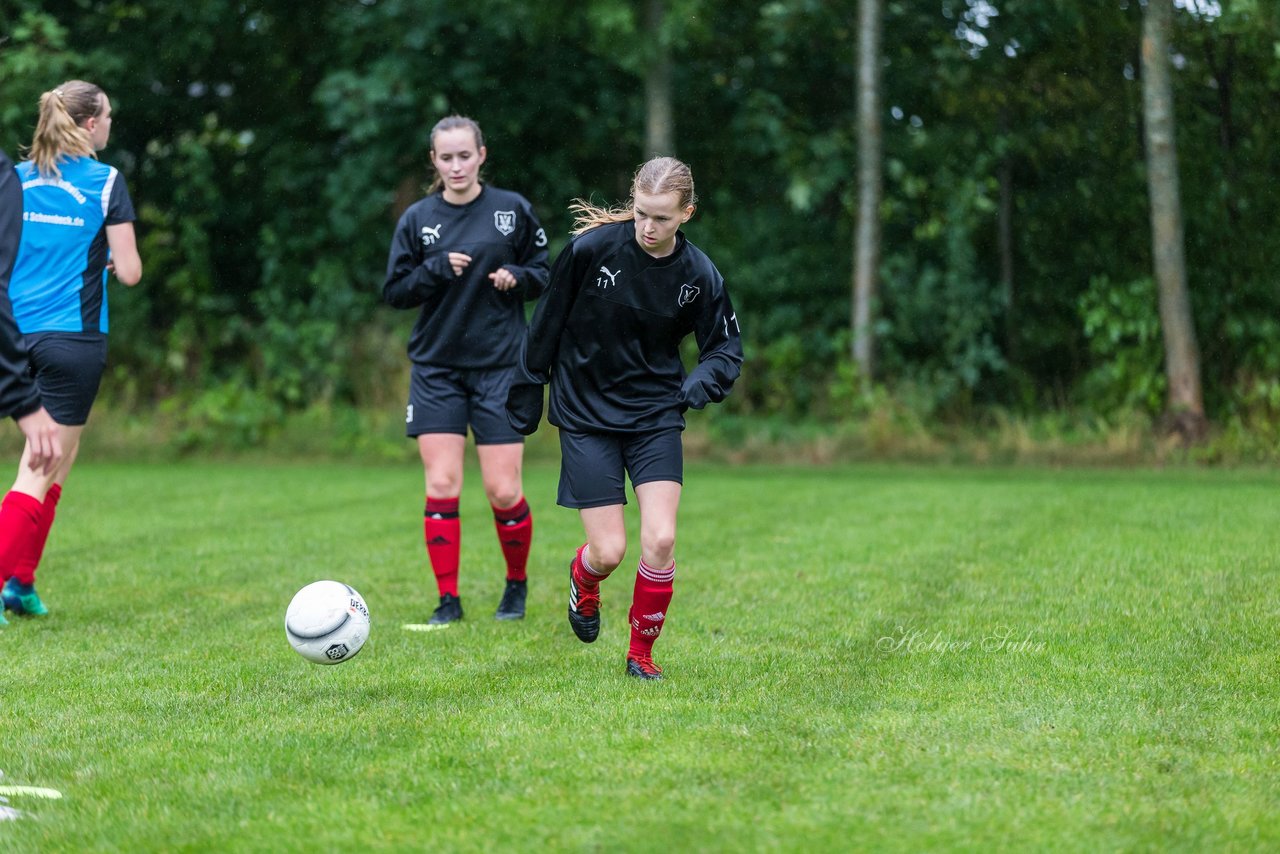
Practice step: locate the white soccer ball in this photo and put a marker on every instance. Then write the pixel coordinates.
(327, 622)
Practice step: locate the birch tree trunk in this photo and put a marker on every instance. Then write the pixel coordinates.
(1185, 406)
(866, 246)
(660, 123)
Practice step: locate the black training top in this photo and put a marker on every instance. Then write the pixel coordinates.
(607, 334)
(18, 395)
(465, 321)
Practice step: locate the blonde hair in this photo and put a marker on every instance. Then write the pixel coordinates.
(453, 123)
(654, 178)
(59, 132)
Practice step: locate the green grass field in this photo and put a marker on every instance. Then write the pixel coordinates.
(856, 658)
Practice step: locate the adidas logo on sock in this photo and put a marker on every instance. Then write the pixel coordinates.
(438, 541)
(655, 618)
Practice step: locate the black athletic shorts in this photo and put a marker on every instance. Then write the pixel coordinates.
(592, 464)
(67, 367)
(446, 400)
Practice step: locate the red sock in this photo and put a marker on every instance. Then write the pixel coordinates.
(515, 534)
(585, 575)
(20, 516)
(25, 569)
(649, 605)
(442, 530)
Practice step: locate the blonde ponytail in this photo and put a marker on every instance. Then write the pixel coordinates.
(58, 131)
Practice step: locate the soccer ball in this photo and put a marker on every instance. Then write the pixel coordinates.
(327, 622)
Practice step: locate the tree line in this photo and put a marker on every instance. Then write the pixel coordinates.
(964, 202)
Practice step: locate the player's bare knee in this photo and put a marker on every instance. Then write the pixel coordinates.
(504, 495)
(605, 555)
(659, 544)
(443, 485)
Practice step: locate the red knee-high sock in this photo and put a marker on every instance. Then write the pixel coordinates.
(25, 570)
(649, 605)
(19, 524)
(442, 530)
(515, 534)
(585, 575)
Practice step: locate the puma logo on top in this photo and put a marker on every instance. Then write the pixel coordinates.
(600, 281)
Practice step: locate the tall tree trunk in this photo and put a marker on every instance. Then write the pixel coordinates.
(866, 245)
(1185, 406)
(660, 123)
(1004, 237)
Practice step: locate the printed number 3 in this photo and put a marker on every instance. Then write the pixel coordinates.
(408, 414)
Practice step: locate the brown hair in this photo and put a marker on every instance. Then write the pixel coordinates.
(656, 177)
(452, 123)
(59, 131)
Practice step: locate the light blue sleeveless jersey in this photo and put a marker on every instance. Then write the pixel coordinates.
(59, 280)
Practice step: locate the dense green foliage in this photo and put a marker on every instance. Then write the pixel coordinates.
(270, 145)
(959, 660)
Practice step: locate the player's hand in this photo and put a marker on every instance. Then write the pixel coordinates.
(459, 261)
(503, 279)
(43, 441)
(694, 395)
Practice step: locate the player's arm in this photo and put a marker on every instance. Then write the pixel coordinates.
(719, 351)
(412, 279)
(125, 261)
(532, 269)
(122, 242)
(542, 342)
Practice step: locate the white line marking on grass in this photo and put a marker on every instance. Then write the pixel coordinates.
(33, 791)
(424, 627)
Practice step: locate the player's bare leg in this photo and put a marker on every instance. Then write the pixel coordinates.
(442, 467)
(659, 503)
(26, 516)
(600, 555)
(500, 468)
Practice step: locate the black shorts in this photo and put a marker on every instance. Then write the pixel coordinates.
(592, 464)
(446, 400)
(67, 367)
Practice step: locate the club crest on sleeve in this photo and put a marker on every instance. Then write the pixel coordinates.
(504, 221)
(688, 293)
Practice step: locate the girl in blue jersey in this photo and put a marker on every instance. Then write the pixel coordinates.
(77, 225)
(606, 335)
(467, 257)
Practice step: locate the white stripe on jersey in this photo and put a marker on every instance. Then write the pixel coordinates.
(106, 189)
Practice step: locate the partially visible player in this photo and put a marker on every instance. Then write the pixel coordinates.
(18, 395)
(19, 398)
(77, 224)
(606, 335)
(467, 256)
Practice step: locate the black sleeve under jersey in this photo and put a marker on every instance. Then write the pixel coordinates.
(411, 281)
(543, 340)
(719, 352)
(541, 343)
(119, 205)
(532, 269)
(18, 395)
